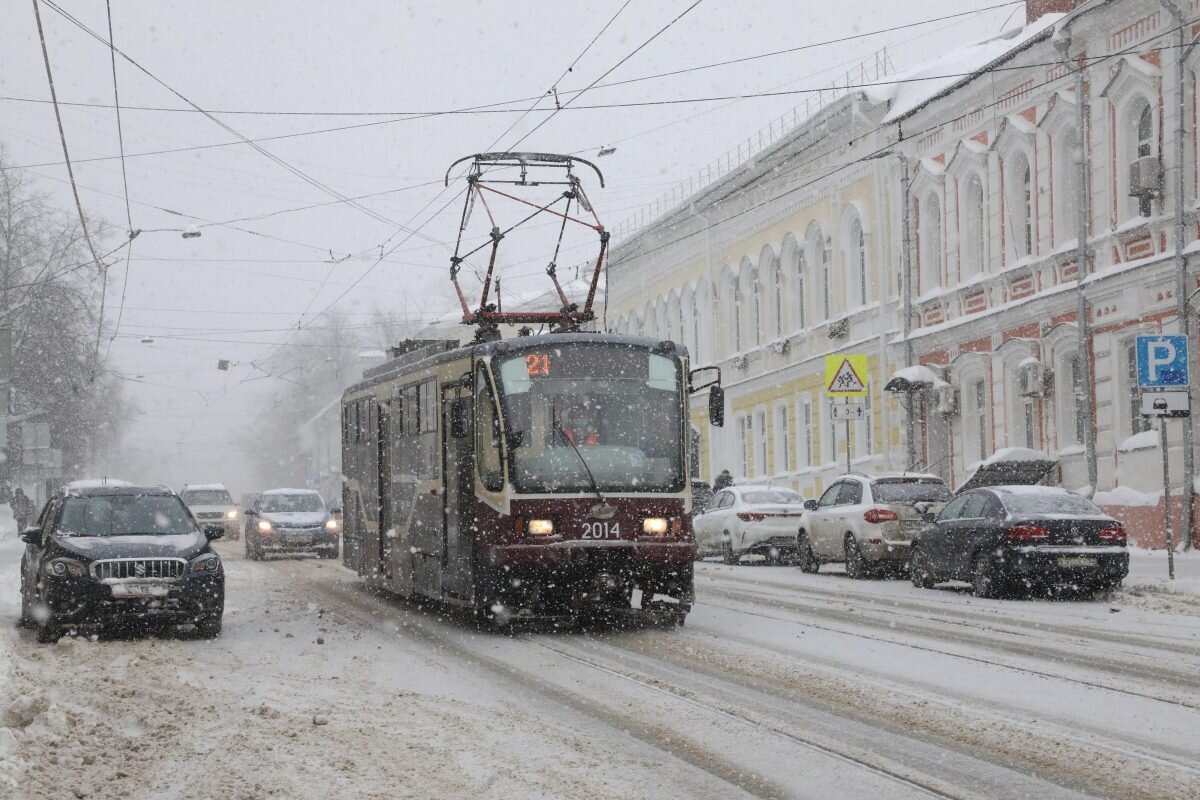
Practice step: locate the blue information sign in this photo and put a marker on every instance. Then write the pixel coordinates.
(1162, 361)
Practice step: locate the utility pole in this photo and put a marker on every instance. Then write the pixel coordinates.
(910, 407)
(1082, 210)
(1182, 51)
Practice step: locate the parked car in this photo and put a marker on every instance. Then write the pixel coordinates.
(110, 554)
(745, 520)
(291, 521)
(1005, 539)
(867, 521)
(211, 503)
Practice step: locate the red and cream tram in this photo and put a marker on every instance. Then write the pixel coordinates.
(541, 477)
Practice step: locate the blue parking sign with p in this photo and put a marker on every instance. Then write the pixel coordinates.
(1162, 361)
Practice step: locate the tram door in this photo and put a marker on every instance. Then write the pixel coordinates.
(457, 448)
(383, 479)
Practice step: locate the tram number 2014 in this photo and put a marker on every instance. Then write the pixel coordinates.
(601, 530)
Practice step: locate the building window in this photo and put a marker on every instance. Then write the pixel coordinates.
(696, 339)
(778, 287)
(973, 244)
(975, 428)
(1137, 423)
(756, 325)
(806, 433)
(1020, 206)
(818, 255)
(1030, 423)
(783, 440)
(930, 233)
(760, 451)
(744, 434)
(1145, 147)
(800, 269)
(1072, 402)
(855, 251)
(737, 315)
(1067, 169)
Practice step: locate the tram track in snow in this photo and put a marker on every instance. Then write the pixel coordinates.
(476, 648)
(892, 630)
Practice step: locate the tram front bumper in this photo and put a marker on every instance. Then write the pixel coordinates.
(566, 553)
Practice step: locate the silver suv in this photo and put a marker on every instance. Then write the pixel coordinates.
(868, 521)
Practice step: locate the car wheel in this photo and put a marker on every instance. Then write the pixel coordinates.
(918, 570)
(804, 554)
(984, 581)
(727, 554)
(209, 627)
(48, 632)
(856, 564)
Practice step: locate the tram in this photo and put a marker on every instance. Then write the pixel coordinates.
(539, 477)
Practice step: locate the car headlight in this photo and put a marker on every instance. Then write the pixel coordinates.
(655, 526)
(331, 524)
(231, 514)
(264, 526)
(62, 567)
(209, 562)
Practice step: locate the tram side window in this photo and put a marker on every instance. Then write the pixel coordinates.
(487, 434)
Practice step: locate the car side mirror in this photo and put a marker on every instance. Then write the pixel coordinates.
(32, 535)
(335, 509)
(249, 512)
(929, 516)
(458, 418)
(810, 505)
(716, 407)
(214, 531)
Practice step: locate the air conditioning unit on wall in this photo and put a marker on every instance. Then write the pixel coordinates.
(946, 400)
(1146, 177)
(1032, 378)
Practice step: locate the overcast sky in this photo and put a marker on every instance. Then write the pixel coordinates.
(235, 295)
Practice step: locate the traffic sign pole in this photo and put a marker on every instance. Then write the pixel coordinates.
(1162, 432)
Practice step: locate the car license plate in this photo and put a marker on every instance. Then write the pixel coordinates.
(139, 590)
(1076, 562)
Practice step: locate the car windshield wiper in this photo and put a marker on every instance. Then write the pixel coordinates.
(582, 460)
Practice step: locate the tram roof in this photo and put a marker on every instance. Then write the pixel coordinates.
(450, 350)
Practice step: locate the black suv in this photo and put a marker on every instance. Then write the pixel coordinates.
(111, 554)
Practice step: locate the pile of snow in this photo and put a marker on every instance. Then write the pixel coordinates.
(1139, 441)
(1124, 496)
(98, 483)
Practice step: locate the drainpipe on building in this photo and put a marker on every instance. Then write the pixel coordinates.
(1062, 42)
(910, 414)
(1181, 277)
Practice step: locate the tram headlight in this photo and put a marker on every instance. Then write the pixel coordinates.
(540, 527)
(655, 526)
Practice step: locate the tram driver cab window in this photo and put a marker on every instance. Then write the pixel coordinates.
(487, 433)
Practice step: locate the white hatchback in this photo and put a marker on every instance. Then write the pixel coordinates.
(743, 520)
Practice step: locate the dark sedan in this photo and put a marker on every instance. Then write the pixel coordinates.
(1005, 539)
(105, 554)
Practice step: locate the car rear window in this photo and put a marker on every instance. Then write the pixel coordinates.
(207, 497)
(773, 496)
(1037, 503)
(911, 491)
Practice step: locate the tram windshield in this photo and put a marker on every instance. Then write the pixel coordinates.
(617, 408)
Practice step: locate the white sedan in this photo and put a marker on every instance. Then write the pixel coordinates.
(743, 520)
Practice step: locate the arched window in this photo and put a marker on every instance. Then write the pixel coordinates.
(817, 254)
(736, 322)
(929, 232)
(754, 289)
(698, 340)
(1144, 146)
(798, 268)
(973, 244)
(1066, 170)
(854, 256)
(777, 288)
(1020, 206)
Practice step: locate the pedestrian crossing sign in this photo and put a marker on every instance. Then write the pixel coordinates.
(846, 376)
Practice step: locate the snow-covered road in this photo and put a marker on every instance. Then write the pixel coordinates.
(781, 685)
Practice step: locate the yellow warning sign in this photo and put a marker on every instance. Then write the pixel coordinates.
(846, 376)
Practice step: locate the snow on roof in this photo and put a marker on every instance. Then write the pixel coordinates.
(917, 376)
(1008, 455)
(910, 90)
(96, 483)
(1042, 490)
(290, 491)
(379, 354)
(204, 487)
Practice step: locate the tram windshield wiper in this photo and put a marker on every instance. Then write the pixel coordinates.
(586, 468)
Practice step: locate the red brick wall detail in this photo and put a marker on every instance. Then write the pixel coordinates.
(938, 357)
